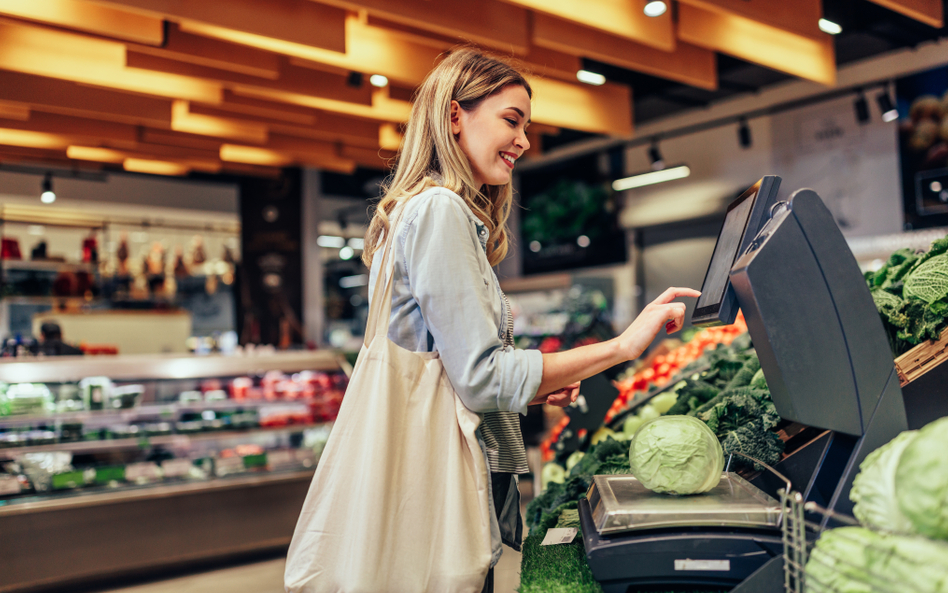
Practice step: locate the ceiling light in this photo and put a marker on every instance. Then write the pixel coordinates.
(861, 106)
(889, 112)
(744, 134)
(346, 253)
(655, 8)
(830, 27)
(378, 80)
(353, 281)
(48, 196)
(651, 178)
(655, 156)
(593, 78)
(330, 241)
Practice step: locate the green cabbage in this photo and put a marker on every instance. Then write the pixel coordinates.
(857, 560)
(873, 489)
(677, 455)
(922, 480)
(929, 281)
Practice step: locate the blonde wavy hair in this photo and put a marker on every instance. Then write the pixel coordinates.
(430, 155)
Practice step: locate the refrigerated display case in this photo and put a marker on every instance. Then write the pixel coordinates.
(123, 464)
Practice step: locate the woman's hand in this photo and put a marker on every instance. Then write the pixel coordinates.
(660, 312)
(559, 398)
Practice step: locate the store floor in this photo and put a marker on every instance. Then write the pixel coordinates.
(267, 577)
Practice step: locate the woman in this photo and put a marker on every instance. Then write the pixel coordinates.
(448, 203)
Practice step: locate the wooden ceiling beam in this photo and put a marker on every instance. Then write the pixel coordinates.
(256, 155)
(14, 111)
(688, 64)
(801, 17)
(69, 98)
(294, 22)
(759, 43)
(171, 138)
(184, 120)
(75, 127)
(490, 23)
(90, 18)
(214, 53)
(292, 79)
(621, 18)
(383, 108)
(80, 58)
(373, 158)
(605, 109)
(930, 12)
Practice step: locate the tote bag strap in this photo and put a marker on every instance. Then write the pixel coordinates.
(380, 309)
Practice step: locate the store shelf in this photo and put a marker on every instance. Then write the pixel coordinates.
(30, 265)
(171, 440)
(157, 366)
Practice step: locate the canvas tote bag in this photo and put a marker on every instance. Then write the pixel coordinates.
(399, 501)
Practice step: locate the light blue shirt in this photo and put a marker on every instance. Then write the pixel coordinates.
(446, 298)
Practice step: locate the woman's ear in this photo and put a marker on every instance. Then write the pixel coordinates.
(455, 118)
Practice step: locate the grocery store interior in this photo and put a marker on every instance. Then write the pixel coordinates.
(185, 188)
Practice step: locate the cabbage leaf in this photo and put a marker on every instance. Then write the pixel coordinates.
(873, 491)
(922, 480)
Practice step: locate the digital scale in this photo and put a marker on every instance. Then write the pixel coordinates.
(828, 366)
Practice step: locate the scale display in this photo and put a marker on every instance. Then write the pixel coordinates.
(717, 304)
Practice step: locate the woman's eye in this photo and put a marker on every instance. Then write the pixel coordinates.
(511, 121)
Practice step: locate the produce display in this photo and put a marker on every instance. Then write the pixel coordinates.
(911, 293)
(676, 455)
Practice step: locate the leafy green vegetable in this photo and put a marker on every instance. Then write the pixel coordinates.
(677, 455)
(922, 480)
(736, 407)
(759, 381)
(691, 396)
(857, 560)
(929, 281)
(754, 440)
(744, 376)
(873, 489)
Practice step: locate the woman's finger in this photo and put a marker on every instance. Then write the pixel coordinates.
(676, 292)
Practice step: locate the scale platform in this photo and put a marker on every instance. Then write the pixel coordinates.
(635, 537)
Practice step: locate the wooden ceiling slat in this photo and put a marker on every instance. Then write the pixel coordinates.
(688, 64)
(369, 157)
(182, 120)
(255, 155)
(800, 16)
(382, 108)
(275, 118)
(170, 138)
(930, 12)
(12, 136)
(214, 53)
(76, 127)
(294, 21)
(620, 18)
(537, 60)
(91, 18)
(69, 98)
(299, 145)
(487, 22)
(100, 62)
(758, 43)
(606, 109)
(292, 79)
(331, 131)
(14, 111)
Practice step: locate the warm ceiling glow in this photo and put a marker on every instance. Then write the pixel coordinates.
(87, 16)
(389, 137)
(651, 178)
(655, 8)
(32, 139)
(252, 155)
(154, 167)
(182, 120)
(95, 153)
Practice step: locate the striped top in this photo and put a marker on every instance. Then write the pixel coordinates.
(501, 430)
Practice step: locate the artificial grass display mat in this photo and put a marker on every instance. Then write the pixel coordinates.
(560, 568)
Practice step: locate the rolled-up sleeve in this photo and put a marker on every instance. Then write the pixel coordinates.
(445, 267)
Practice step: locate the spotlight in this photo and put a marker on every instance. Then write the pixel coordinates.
(862, 108)
(48, 196)
(655, 155)
(354, 80)
(889, 112)
(744, 133)
(377, 80)
(651, 178)
(655, 8)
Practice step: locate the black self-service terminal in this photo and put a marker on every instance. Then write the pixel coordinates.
(828, 365)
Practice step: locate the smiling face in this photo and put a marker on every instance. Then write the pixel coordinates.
(493, 134)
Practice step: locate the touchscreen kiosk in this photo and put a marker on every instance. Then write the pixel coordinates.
(717, 304)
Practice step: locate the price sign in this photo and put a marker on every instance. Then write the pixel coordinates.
(562, 535)
(9, 485)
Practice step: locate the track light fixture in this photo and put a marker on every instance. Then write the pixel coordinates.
(48, 196)
(354, 80)
(861, 106)
(744, 133)
(889, 112)
(655, 156)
